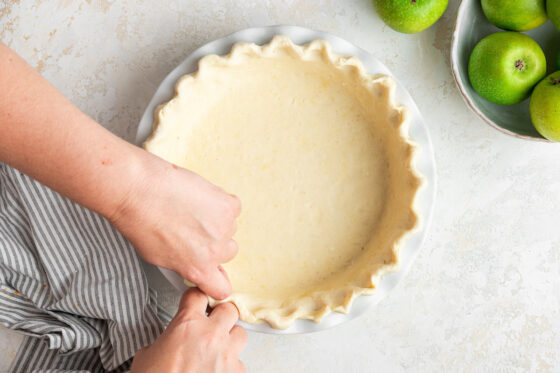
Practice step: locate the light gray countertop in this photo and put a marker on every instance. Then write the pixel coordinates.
(484, 293)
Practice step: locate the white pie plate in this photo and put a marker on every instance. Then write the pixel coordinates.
(418, 131)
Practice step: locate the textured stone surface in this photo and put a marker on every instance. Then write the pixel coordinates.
(484, 293)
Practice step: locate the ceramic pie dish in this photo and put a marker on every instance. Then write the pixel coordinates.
(318, 150)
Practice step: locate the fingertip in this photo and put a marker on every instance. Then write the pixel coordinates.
(216, 284)
(236, 204)
(227, 284)
(193, 299)
(230, 251)
(229, 308)
(222, 294)
(225, 314)
(240, 335)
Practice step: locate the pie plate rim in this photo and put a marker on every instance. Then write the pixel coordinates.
(424, 159)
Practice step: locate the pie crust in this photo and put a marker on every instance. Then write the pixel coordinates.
(319, 154)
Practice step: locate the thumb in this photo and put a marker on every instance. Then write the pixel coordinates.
(215, 283)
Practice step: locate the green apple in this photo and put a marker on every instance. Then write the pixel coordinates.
(410, 16)
(553, 9)
(545, 107)
(505, 66)
(515, 15)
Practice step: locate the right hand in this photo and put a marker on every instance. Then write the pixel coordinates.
(178, 220)
(194, 342)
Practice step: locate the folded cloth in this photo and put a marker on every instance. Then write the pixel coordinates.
(71, 282)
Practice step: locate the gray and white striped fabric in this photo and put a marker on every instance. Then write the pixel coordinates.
(71, 282)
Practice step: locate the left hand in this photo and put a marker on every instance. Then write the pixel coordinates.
(178, 220)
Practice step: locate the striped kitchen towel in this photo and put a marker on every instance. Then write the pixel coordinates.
(71, 282)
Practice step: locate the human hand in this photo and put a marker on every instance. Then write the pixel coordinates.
(174, 218)
(177, 220)
(194, 342)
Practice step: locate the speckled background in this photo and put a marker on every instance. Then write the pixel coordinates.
(484, 293)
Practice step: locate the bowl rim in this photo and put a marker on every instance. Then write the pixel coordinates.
(460, 85)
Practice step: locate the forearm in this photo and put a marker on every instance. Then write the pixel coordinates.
(49, 139)
(173, 217)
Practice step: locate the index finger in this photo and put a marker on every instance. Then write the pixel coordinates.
(193, 302)
(225, 314)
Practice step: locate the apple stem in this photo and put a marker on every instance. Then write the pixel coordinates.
(554, 81)
(413, 2)
(520, 65)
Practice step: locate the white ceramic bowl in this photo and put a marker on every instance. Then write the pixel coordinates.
(471, 27)
(418, 131)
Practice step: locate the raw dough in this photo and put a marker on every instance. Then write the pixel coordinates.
(318, 153)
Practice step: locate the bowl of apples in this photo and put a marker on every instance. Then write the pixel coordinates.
(505, 60)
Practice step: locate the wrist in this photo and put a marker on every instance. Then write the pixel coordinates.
(126, 184)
